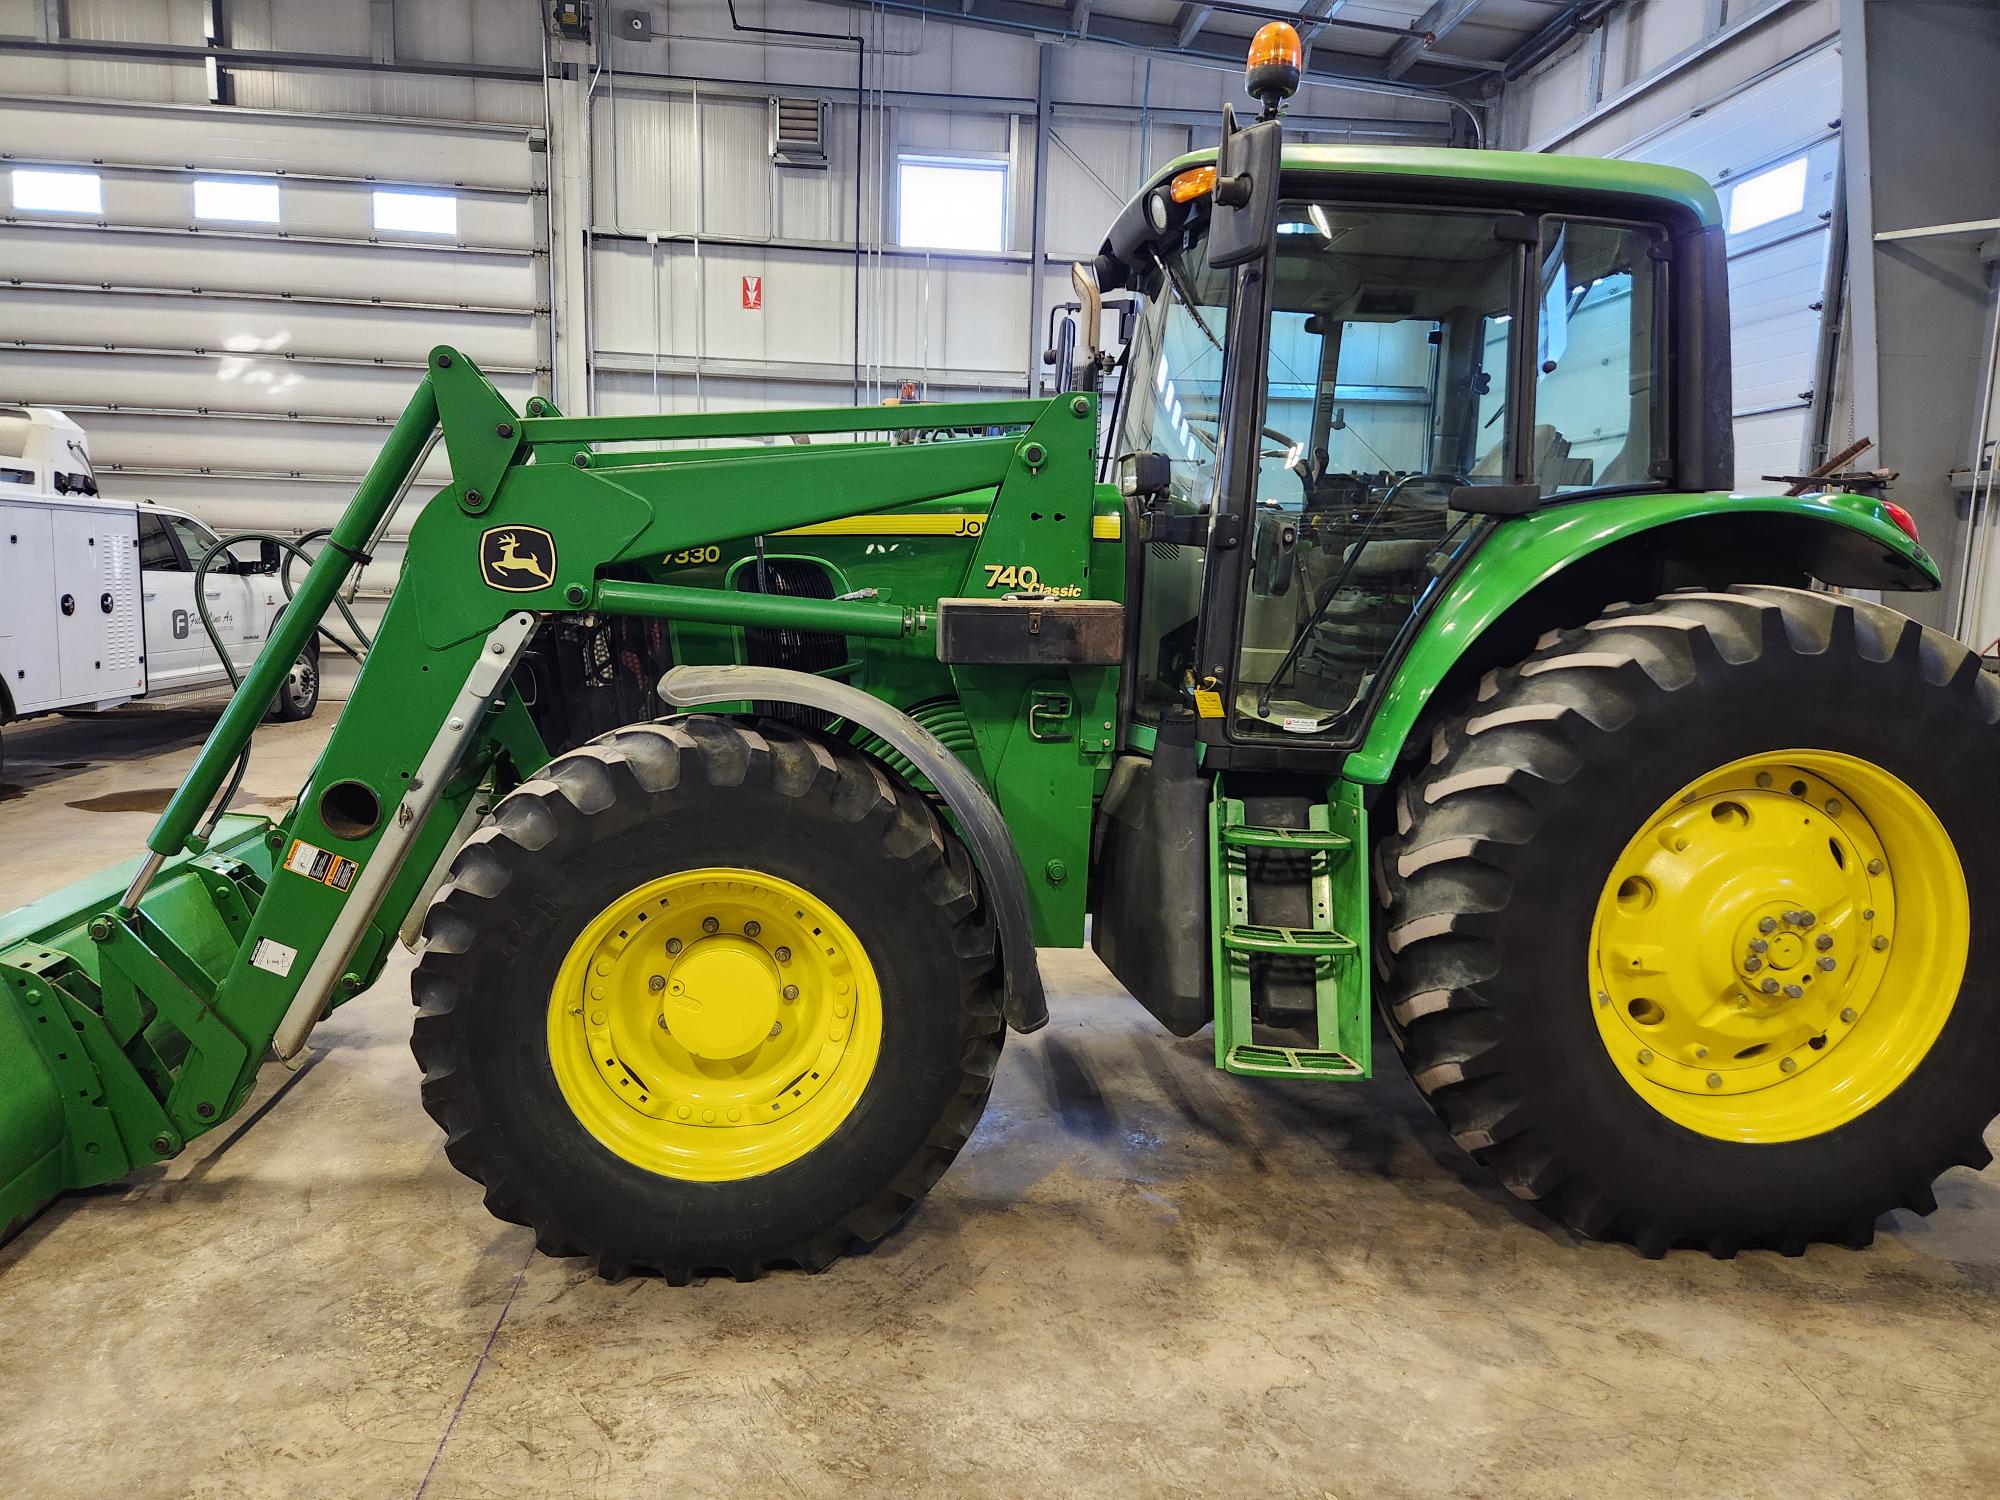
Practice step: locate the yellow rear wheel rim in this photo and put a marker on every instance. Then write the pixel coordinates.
(714, 1024)
(1779, 946)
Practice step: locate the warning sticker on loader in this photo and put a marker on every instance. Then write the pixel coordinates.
(322, 865)
(273, 956)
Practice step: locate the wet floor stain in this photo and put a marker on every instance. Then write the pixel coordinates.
(9, 792)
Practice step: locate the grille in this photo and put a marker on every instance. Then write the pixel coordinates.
(794, 650)
(798, 132)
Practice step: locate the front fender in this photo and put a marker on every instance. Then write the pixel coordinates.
(1841, 539)
(1024, 1002)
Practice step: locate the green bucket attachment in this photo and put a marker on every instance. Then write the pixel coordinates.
(88, 1066)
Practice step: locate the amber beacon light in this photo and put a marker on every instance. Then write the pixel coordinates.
(1271, 70)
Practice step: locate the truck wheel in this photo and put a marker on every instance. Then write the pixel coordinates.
(1694, 917)
(708, 997)
(299, 697)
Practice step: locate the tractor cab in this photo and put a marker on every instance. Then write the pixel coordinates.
(1408, 359)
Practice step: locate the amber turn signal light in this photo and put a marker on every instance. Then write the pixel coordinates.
(1195, 182)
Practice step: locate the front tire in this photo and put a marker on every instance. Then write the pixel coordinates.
(1692, 915)
(708, 996)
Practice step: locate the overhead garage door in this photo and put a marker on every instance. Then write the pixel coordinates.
(234, 311)
(1772, 153)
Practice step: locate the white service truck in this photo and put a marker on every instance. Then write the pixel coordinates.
(97, 597)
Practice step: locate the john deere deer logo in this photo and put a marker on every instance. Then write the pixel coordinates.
(517, 559)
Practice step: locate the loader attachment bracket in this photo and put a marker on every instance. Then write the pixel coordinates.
(1024, 1003)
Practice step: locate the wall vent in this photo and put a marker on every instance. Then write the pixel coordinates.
(798, 132)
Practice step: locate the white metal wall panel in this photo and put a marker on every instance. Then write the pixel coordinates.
(248, 373)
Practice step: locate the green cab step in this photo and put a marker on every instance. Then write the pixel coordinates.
(1286, 942)
(1251, 836)
(1255, 1061)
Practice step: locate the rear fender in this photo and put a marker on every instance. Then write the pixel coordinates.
(1559, 566)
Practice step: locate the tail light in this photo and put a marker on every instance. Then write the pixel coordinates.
(1905, 522)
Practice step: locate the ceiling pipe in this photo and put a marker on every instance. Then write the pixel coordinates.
(1558, 34)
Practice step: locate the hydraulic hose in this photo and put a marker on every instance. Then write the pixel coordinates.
(293, 551)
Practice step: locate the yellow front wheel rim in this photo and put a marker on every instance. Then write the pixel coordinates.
(714, 1024)
(1779, 946)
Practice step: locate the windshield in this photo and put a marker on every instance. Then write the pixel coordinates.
(1393, 377)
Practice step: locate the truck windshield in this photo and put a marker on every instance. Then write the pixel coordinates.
(1394, 376)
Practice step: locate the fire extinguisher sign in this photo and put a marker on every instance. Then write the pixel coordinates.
(753, 294)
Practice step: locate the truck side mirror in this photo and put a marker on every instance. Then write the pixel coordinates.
(267, 557)
(1245, 216)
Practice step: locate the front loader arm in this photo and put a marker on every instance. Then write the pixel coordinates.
(297, 916)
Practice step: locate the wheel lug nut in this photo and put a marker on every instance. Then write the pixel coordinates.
(1874, 867)
(1788, 1065)
(1602, 998)
(657, 983)
(751, 929)
(661, 1020)
(1769, 986)
(1763, 778)
(1880, 943)
(1701, 1052)
(1645, 1055)
(791, 993)
(1867, 913)
(673, 945)
(1833, 807)
(1715, 1080)
(1752, 964)
(1823, 942)
(1847, 1014)
(1794, 991)
(1768, 924)
(776, 1027)
(1758, 945)
(709, 924)
(783, 955)
(1827, 965)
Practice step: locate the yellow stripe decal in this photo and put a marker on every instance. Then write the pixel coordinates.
(1103, 528)
(967, 523)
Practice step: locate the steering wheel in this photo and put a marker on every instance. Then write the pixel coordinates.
(1211, 444)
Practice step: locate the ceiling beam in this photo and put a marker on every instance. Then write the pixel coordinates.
(1432, 28)
(1189, 23)
(1315, 15)
(1079, 18)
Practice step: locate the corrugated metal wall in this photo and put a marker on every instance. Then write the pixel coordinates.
(1725, 91)
(246, 373)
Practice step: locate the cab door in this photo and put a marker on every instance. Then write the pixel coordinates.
(229, 594)
(166, 591)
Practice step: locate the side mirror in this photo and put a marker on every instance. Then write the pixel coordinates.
(1141, 476)
(1245, 216)
(268, 557)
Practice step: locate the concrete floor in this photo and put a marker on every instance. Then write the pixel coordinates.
(1141, 1278)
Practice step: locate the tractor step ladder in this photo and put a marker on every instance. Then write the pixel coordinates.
(1331, 845)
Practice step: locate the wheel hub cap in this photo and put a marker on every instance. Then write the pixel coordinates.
(714, 1024)
(1748, 938)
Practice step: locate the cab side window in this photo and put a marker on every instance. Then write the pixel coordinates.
(195, 542)
(156, 549)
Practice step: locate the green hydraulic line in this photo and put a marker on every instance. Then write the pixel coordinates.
(760, 611)
(378, 490)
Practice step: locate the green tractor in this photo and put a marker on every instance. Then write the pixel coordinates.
(1404, 644)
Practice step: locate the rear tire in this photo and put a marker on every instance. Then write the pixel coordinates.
(638, 810)
(1511, 842)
